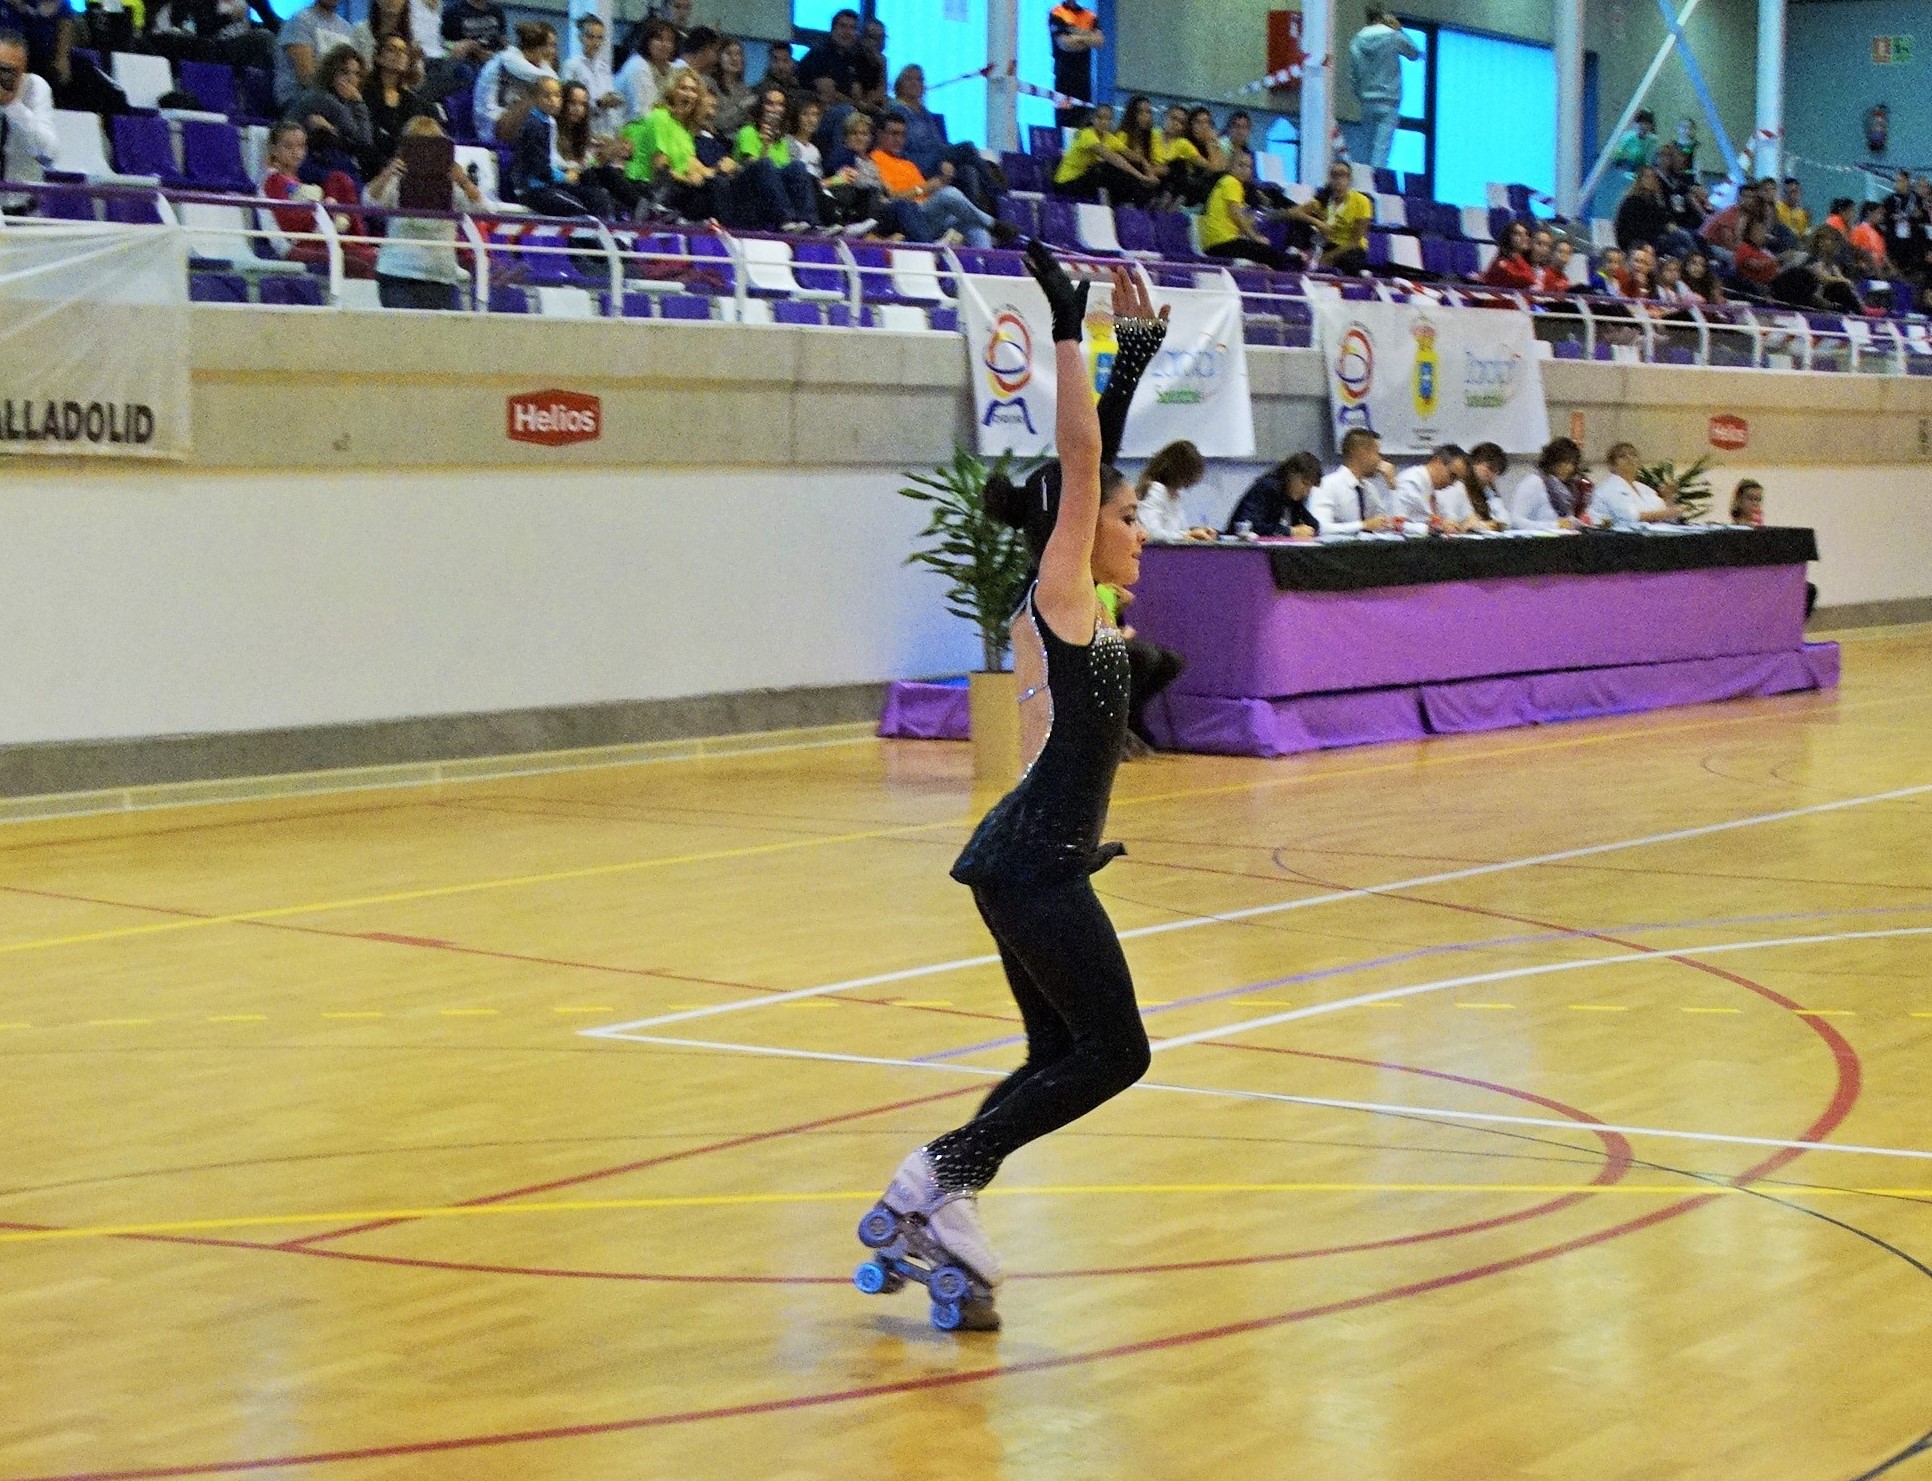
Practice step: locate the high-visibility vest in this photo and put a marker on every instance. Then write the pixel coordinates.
(1072, 15)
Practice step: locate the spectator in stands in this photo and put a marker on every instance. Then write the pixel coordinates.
(1791, 208)
(386, 18)
(389, 96)
(1643, 215)
(596, 158)
(1904, 227)
(1700, 281)
(505, 88)
(1137, 155)
(1747, 503)
(855, 185)
(1640, 274)
(539, 176)
(295, 236)
(1375, 60)
(1176, 467)
(212, 31)
(473, 32)
(801, 122)
(1637, 148)
(1240, 134)
(1192, 155)
(47, 28)
(1276, 503)
(1607, 276)
(763, 149)
(1561, 276)
(306, 37)
(737, 101)
(1484, 485)
(1838, 218)
(1228, 229)
(417, 266)
(1341, 214)
(1076, 36)
(870, 67)
(713, 148)
(341, 135)
(1431, 492)
(1868, 238)
(930, 210)
(1754, 263)
(646, 74)
(1670, 287)
(927, 145)
(830, 69)
(1512, 267)
(1093, 161)
(1356, 496)
(1816, 280)
(678, 14)
(27, 136)
(1551, 276)
(664, 153)
(781, 68)
(1622, 501)
(592, 67)
(1549, 497)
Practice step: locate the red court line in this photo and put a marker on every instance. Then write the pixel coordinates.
(579, 1179)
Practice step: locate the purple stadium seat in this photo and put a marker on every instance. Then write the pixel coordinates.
(87, 55)
(1567, 349)
(1276, 233)
(1519, 199)
(1385, 183)
(143, 146)
(1057, 223)
(549, 268)
(211, 84)
(636, 305)
(991, 262)
(1378, 249)
(460, 106)
(942, 316)
(1499, 220)
(1297, 323)
(212, 152)
(1135, 230)
(67, 205)
(1042, 139)
(1171, 235)
(1261, 332)
(792, 311)
(1437, 258)
(720, 276)
(1465, 259)
(507, 298)
(217, 288)
(255, 88)
(134, 210)
(818, 268)
(1676, 355)
(1023, 172)
(683, 306)
(295, 290)
(1022, 215)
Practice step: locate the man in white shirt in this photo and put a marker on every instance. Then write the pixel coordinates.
(27, 137)
(1622, 501)
(505, 88)
(1355, 497)
(1433, 490)
(305, 38)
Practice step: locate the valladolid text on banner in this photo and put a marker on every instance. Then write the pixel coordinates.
(1420, 375)
(1196, 387)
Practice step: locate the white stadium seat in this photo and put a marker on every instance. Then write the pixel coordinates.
(143, 78)
(1405, 251)
(915, 274)
(1475, 223)
(1390, 210)
(1094, 225)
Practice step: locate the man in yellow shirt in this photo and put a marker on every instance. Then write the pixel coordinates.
(1342, 214)
(1227, 225)
(1791, 208)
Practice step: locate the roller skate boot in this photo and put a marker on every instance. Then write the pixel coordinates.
(919, 1233)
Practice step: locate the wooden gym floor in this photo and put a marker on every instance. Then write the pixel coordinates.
(349, 1139)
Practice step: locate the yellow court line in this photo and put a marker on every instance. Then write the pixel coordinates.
(747, 851)
(1599, 1008)
(1710, 1010)
(744, 1200)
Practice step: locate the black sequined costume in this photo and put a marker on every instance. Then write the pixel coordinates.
(1029, 863)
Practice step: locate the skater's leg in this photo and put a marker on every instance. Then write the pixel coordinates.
(1067, 947)
(1048, 1039)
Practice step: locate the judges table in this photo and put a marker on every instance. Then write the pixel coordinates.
(1296, 646)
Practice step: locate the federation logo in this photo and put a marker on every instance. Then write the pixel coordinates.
(1009, 353)
(1428, 371)
(1354, 377)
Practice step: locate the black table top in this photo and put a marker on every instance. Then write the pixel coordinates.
(1352, 565)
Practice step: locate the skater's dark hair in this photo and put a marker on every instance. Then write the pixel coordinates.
(1033, 506)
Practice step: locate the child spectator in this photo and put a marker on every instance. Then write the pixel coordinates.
(288, 148)
(417, 266)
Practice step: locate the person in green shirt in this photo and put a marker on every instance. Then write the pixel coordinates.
(766, 163)
(664, 154)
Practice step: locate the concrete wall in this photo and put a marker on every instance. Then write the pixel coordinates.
(1834, 82)
(353, 546)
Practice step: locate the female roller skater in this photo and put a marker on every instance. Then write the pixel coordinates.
(1030, 860)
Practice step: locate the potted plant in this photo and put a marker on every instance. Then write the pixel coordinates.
(1693, 484)
(986, 565)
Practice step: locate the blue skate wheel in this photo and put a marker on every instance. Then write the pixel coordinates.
(878, 1228)
(870, 1277)
(946, 1315)
(951, 1285)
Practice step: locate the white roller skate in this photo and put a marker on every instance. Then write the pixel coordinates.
(920, 1233)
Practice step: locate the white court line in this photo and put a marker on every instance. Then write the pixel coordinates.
(1319, 1102)
(741, 1005)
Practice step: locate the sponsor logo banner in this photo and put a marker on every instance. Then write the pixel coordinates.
(1421, 375)
(1196, 387)
(1729, 432)
(93, 341)
(553, 418)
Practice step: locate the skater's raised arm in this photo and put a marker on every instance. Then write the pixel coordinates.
(1065, 592)
(1138, 336)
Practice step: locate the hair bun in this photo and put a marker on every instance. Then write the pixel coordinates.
(1005, 500)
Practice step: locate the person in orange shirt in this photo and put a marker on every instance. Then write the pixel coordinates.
(1868, 237)
(930, 209)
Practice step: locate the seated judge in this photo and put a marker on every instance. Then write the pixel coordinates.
(1175, 468)
(1277, 502)
(1548, 498)
(1356, 496)
(1484, 486)
(1622, 500)
(1432, 492)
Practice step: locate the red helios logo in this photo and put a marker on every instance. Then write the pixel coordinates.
(553, 418)
(1729, 432)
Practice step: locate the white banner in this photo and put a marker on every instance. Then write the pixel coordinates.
(1421, 375)
(1197, 386)
(94, 340)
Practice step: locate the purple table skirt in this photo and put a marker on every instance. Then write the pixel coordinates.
(1243, 639)
(1316, 722)
(926, 711)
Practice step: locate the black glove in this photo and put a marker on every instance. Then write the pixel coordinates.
(1065, 298)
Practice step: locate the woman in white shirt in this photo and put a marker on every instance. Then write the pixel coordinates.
(645, 77)
(1484, 486)
(1546, 498)
(1175, 467)
(1622, 501)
